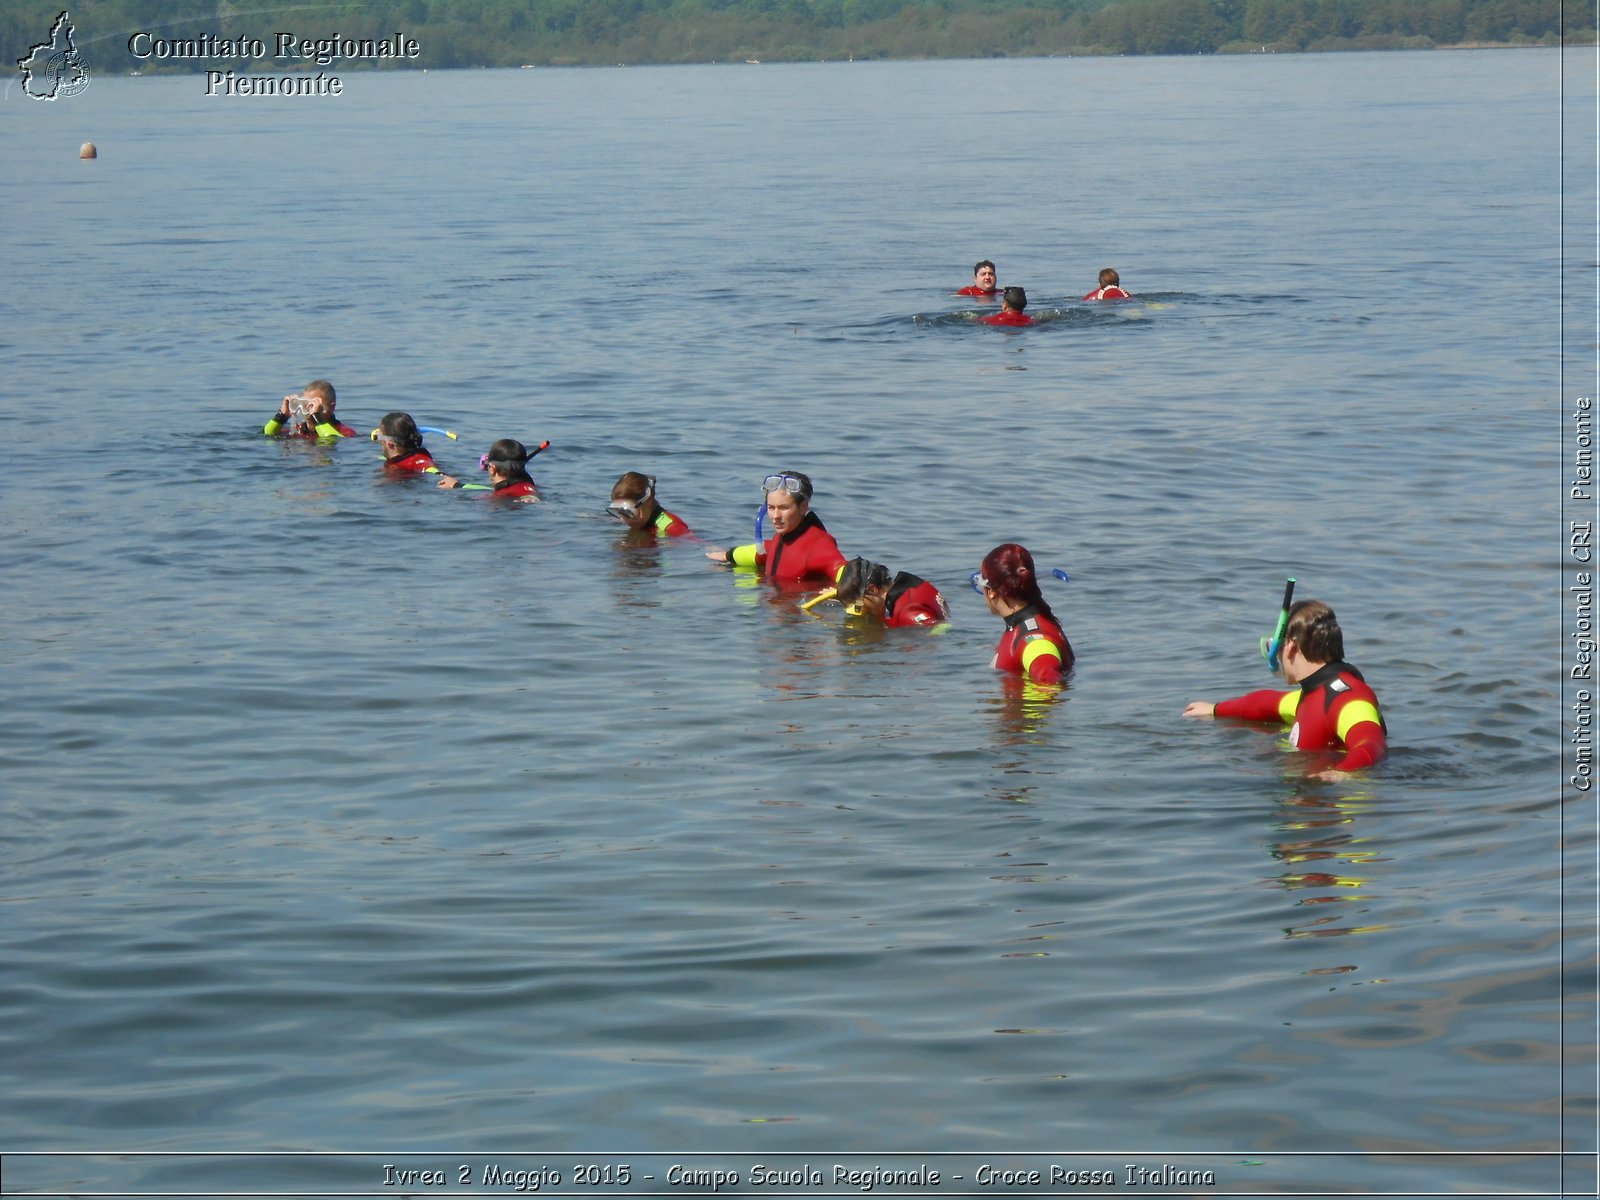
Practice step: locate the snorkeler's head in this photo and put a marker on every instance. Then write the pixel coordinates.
(322, 390)
(1015, 297)
(858, 575)
(1009, 573)
(400, 431)
(632, 499)
(1315, 632)
(508, 456)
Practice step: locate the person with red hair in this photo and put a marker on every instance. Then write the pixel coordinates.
(1033, 644)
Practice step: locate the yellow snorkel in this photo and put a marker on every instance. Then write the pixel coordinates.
(853, 610)
(825, 594)
(851, 582)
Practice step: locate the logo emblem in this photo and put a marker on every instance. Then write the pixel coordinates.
(57, 67)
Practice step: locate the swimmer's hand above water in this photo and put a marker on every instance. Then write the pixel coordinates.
(1200, 708)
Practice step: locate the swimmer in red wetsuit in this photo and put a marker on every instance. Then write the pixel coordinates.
(507, 465)
(900, 602)
(1033, 644)
(634, 503)
(403, 451)
(1014, 300)
(800, 548)
(1110, 288)
(308, 415)
(1331, 709)
(983, 281)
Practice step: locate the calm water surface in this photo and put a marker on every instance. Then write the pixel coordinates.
(345, 814)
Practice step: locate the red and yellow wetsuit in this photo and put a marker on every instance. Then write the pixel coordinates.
(1332, 709)
(333, 428)
(808, 551)
(1033, 645)
(913, 601)
(1109, 292)
(418, 462)
(1008, 318)
(665, 524)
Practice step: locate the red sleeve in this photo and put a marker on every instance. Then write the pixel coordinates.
(1257, 706)
(1045, 669)
(827, 558)
(1366, 745)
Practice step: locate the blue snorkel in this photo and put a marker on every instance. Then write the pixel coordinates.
(377, 433)
(976, 578)
(1271, 647)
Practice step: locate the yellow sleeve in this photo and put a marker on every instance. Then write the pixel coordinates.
(745, 556)
(1288, 705)
(1353, 714)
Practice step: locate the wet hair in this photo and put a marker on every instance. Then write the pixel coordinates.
(511, 456)
(402, 430)
(1314, 628)
(980, 265)
(1109, 278)
(858, 575)
(1015, 297)
(1010, 571)
(632, 486)
(805, 483)
(322, 389)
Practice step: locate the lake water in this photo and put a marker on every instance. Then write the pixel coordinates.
(351, 817)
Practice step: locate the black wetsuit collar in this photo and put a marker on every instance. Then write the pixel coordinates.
(1021, 615)
(902, 584)
(507, 483)
(784, 539)
(806, 522)
(1326, 674)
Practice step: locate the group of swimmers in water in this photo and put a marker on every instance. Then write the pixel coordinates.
(1014, 300)
(1329, 708)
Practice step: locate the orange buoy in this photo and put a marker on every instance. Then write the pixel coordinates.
(87, 150)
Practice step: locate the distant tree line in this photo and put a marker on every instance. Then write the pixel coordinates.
(501, 33)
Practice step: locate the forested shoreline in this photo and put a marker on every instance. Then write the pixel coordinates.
(504, 33)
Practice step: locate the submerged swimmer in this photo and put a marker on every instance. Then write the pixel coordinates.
(1033, 644)
(800, 548)
(634, 503)
(866, 588)
(1331, 709)
(1013, 301)
(308, 414)
(507, 466)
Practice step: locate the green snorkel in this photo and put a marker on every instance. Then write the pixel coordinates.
(1271, 646)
